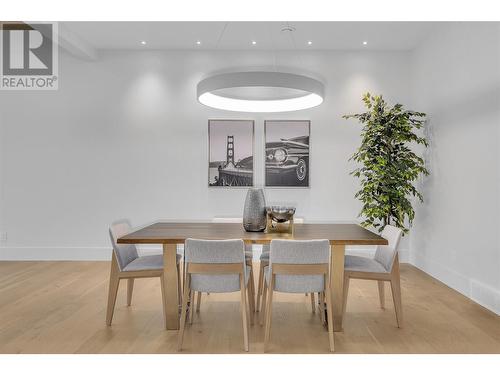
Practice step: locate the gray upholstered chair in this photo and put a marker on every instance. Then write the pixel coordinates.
(213, 266)
(297, 267)
(383, 267)
(127, 264)
(264, 262)
(248, 258)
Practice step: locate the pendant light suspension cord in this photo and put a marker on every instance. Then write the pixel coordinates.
(221, 35)
(273, 46)
(294, 44)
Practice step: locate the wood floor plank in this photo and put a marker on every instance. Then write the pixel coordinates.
(59, 307)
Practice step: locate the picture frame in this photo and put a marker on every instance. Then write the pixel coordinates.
(231, 158)
(287, 153)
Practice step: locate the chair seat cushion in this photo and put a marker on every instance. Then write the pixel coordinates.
(296, 283)
(217, 283)
(362, 264)
(147, 263)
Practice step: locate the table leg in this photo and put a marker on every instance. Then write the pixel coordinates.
(337, 284)
(171, 288)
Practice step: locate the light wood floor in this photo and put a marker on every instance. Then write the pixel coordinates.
(59, 307)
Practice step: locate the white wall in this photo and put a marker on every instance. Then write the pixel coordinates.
(456, 80)
(124, 136)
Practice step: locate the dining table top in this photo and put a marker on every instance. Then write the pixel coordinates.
(178, 232)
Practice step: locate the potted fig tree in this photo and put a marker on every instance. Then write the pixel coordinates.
(387, 166)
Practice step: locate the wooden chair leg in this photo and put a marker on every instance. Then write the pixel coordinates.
(345, 293)
(313, 304)
(396, 296)
(263, 308)
(179, 278)
(251, 304)
(381, 293)
(191, 306)
(396, 293)
(130, 289)
(253, 291)
(164, 301)
(251, 288)
(198, 302)
(184, 276)
(269, 307)
(244, 311)
(183, 313)
(322, 307)
(329, 308)
(260, 286)
(114, 283)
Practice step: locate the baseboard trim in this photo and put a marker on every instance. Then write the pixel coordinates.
(477, 291)
(67, 253)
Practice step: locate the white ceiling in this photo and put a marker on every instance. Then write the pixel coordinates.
(239, 35)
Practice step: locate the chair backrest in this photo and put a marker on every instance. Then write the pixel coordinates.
(385, 254)
(125, 253)
(299, 266)
(299, 252)
(214, 251)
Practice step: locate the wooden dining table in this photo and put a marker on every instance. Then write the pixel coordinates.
(170, 234)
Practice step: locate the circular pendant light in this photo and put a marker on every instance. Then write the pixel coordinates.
(260, 92)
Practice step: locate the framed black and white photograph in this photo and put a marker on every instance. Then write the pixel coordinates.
(287, 153)
(230, 152)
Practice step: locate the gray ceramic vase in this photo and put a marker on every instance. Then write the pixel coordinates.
(254, 213)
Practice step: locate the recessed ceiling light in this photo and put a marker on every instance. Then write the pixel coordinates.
(198, 42)
(143, 42)
(310, 42)
(254, 42)
(365, 43)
